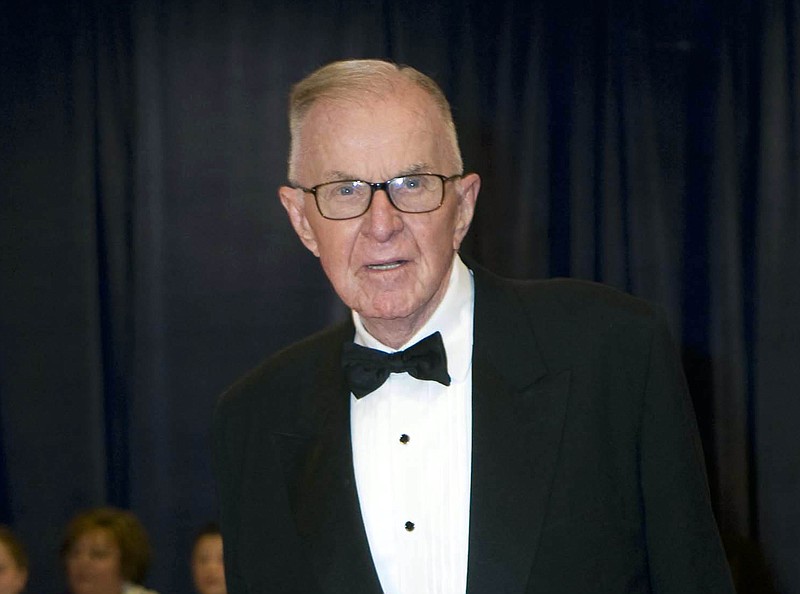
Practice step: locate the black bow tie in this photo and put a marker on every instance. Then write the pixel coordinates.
(366, 369)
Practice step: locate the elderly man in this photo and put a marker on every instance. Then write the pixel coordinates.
(460, 433)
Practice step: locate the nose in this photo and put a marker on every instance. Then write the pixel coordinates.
(382, 221)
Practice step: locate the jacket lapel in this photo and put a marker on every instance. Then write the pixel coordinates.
(325, 502)
(518, 415)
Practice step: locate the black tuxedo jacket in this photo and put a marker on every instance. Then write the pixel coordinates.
(587, 471)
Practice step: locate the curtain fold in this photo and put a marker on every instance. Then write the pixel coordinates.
(777, 301)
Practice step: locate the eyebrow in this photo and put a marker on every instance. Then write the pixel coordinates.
(337, 175)
(416, 168)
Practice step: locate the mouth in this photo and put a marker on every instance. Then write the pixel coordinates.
(386, 265)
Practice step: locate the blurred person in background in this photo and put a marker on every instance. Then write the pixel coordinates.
(208, 570)
(105, 551)
(13, 563)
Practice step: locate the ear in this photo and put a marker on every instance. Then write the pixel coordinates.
(468, 186)
(294, 202)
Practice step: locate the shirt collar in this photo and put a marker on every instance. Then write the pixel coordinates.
(453, 318)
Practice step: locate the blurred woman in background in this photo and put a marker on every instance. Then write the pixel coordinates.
(208, 570)
(13, 563)
(105, 551)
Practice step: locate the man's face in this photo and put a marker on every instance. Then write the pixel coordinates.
(390, 267)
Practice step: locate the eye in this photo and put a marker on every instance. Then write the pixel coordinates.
(408, 185)
(344, 189)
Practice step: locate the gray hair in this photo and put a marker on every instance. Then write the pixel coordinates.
(351, 80)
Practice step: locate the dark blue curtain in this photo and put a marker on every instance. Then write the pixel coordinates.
(146, 261)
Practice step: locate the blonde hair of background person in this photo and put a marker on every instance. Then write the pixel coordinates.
(105, 551)
(13, 563)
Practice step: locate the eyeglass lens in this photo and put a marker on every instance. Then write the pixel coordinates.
(351, 198)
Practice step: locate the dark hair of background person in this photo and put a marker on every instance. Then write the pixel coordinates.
(127, 532)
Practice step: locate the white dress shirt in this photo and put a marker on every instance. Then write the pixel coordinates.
(412, 443)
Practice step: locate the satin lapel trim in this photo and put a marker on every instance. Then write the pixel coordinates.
(519, 407)
(327, 512)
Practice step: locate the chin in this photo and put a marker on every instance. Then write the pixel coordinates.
(389, 310)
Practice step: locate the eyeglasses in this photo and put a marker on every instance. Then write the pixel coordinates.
(351, 198)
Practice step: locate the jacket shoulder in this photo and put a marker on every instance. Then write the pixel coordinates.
(589, 322)
(585, 301)
(277, 381)
(582, 301)
(573, 320)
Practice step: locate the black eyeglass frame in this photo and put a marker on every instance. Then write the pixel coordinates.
(375, 186)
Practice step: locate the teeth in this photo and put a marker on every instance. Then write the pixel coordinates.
(387, 266)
